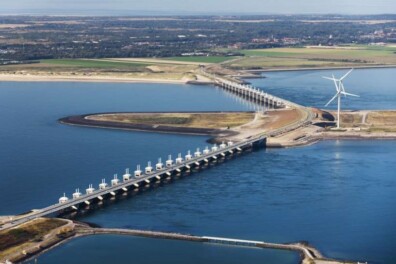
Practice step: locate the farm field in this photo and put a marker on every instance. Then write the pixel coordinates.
(203, 59)
(311, 57)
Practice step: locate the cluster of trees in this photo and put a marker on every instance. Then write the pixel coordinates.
(98, 37)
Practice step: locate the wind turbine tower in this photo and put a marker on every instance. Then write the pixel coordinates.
(339, 85)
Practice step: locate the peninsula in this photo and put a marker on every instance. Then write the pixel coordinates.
(235, 126)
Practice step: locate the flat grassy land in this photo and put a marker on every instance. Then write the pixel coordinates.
(76, 65)
(105, 68)
(196, 120)
(307, 57)
(371, 121)
(382, 121)
(91, 63)
(30, 232)
(203, 59)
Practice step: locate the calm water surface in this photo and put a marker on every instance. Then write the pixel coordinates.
(376, 87)
(338, 195)
(125, 250)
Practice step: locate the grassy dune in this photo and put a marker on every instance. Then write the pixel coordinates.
(104, 68)
(196, 120)
(86, 63)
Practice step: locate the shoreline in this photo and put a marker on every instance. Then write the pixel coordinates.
(316, 137)
(244, 74)
(216, 135)
(389, 136)
(66, 78)
(81, 120)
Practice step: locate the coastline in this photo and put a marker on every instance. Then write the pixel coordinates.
(259, 124)
(244, 74)
(313, 134)
(372, 136)
(66, 78)
(81, 120)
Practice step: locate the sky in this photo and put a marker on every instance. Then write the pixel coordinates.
(157, 7)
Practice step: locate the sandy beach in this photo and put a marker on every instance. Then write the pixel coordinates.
(66, 78)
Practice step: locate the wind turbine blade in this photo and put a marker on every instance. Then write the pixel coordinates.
(345, 93)
(328, 78)
(332, 99)
(343, 77)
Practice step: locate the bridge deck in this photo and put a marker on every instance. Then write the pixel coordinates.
(139, 181)
(169, 170)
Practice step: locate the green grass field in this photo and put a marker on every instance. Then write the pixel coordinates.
(305, 57)
(87, 63)
(353, 51)
(203, 59)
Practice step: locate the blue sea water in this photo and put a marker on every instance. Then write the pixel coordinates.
(338, 195)
(125, 250)
(376, 87)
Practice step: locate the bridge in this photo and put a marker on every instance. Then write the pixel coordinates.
(141, 179)
(254, 94)
(172, 167)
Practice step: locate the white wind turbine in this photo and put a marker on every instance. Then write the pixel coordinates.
(339, 85)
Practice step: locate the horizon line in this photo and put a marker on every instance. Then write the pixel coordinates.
(146, 13)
